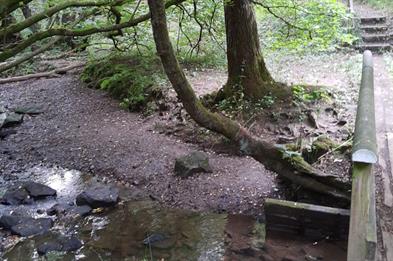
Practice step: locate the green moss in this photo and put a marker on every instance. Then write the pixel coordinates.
(135, 82)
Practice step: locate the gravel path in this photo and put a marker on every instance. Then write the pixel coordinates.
(84, 129)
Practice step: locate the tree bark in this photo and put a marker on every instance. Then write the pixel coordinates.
(246, 67)
(292, 168)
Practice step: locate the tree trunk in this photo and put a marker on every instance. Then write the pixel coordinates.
(246, 67)
(294, 168)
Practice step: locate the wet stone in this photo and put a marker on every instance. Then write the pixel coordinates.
(70, 243)
(159, 240)
(81, 210)
(32, 227)
(37, 190)
(16, 196)
(8, 221)
(97, 197)
(190, 164)
(57, 209)
(64, 243)
(48, 247)
(3, 116)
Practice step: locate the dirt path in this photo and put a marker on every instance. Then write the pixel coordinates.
(384, 112)
(84, 129)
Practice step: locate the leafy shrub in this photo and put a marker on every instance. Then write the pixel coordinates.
(301, 93)
(312, 25)
(134, 81)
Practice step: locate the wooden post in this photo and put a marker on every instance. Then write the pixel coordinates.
(362, 239)
(350, 5)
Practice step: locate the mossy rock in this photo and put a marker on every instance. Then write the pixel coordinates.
(319, 147)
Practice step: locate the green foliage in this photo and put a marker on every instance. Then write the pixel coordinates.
(302, 94)
(134, 81)
(238, 103)
(313, 25)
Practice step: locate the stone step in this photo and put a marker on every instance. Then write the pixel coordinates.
(373, 20)
(374, 47)
(370, 38)
(374, 28)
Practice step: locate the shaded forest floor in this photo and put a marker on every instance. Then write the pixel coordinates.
(86, 130)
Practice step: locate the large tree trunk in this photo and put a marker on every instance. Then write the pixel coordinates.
(246, 67)
(294, 169)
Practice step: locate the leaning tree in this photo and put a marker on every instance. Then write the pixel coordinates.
(291, 167)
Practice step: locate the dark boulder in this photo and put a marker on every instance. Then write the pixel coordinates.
(32, 227)
(37, 190)
(63, 243)
(46, 247)
(70, 243)
(16, 196)
(57, 209)
(80, 210)
(97, 197)
(190, 164)
(8, 221)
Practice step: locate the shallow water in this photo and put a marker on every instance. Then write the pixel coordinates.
(119, 233)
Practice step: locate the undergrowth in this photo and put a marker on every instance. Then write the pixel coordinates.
(136, 82)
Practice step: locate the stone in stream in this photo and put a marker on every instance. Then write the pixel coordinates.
(190, 164)
(65, 209)
(63, 243)
(96, 197)
(16, 196)
(159, 240)
(59, 208)
(48, 247)
(8, 221)
(37, 190)
(32, 227)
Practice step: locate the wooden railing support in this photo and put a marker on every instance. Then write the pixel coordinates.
(362, 239)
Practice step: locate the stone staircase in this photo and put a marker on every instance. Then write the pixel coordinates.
(376, 34)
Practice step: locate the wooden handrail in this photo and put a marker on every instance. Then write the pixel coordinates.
(362, 238)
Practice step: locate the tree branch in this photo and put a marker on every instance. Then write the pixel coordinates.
(8, 53)
(14, 28)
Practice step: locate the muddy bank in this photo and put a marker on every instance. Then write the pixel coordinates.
(84, 129)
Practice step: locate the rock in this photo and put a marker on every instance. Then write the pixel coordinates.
(8, 221)
(64, 243)
(32, 227)
(70, 243)
(16, 196)
(193, 163)
(48, 247)
(81, 210)
(97, 197)
(30, 109)
(159, 240)
(58, 209)
(154, 238)
(12, 119)
(3, 116)
(37, 190)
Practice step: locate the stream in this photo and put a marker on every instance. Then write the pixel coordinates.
(144, 230)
